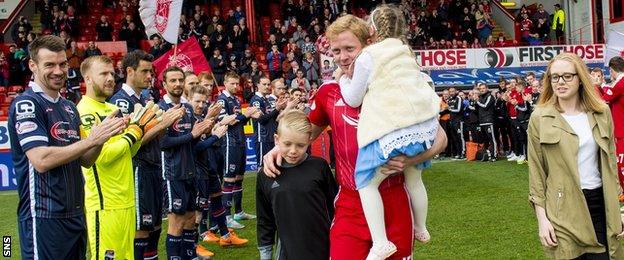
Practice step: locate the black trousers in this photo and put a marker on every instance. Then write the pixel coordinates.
(501, 132)
(595, 202)
(456, 138)
(449, 148)
(488, 139)
(519, 138)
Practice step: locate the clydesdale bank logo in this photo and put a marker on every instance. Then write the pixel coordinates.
(497, 58)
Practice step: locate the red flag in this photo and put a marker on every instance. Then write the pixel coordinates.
(189, 57)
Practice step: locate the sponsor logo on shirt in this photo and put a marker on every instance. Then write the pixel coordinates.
(181, 127)
(60, 133)
(24, 109)
(25, 127)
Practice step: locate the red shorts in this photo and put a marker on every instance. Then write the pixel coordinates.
(349, 234)
(619, 150)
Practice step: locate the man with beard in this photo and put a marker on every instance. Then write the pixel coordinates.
(47, 155)
(179, 168)
(266, 125)
(109, 183)
(137, 65)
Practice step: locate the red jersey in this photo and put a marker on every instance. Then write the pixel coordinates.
(328, 109)
(615, 97)
(511, 109)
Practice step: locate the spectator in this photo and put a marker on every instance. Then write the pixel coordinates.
(275, 59)
(291, 73)
(4, 70)
(558, 24)
(239, 14)
(500, 41)
(272, 41)
(316, 32)
(211, 27)
(526, 26)
(132, 36)
(22, 25)
(308, 46)
(246, 60)
(206, 46)
(159, 47)
(244, 31)
(288, 11)
(75, 56)
(542, 30)
(200, 25)
(104, 29)
(475, 44)
(311, 68)
(540, 14)
(238, 41)
(120, 74)
(291, 47)
(276, 27)
(282, 37)
(489, 42)
(300, 82)
(218, 66)
(219, 38)
(484, 23)
(254, 72)
(193, 30)
(299, 36)
(231, 20)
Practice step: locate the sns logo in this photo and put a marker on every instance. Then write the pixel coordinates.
(60, 133)
(181, 127)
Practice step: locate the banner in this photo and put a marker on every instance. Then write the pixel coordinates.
(6, 9)
(7, 174)
(509, 57)
(161, 17)
(189, 57)
(465, 77)
(615, 45)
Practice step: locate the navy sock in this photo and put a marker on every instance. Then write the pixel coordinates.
(152, 246)
(140, 246)
(189, 239)
(203, 222)
(174, 246)
(217, 213)
(237, 195)
(228, 188)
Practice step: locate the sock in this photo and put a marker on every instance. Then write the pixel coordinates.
(228, 188)
(217, 213)
(152, 246)
(189, 240)
(237, 195)
(140, 246)
(174, 246)
(203, 222)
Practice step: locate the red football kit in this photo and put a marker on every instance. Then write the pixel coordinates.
(615, 97)
(349, 234)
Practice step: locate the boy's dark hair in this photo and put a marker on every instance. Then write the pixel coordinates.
(133, 59)
(49, 42)
(617, 64)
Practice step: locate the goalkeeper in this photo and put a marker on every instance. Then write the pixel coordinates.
(109, 183)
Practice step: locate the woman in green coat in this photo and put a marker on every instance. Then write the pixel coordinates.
(572, 166)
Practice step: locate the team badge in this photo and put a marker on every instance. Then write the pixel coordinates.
(147, 219)
(177, 203)
(109, 255)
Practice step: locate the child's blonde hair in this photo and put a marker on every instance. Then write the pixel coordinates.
(388, 22)
(295, 120)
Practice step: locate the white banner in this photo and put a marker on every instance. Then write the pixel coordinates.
(615, 45)
(7, 7)
(161, 17)
(509, 57)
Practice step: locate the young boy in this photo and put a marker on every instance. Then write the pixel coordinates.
(306, 184)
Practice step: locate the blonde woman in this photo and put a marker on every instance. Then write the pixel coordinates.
(573, 183)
